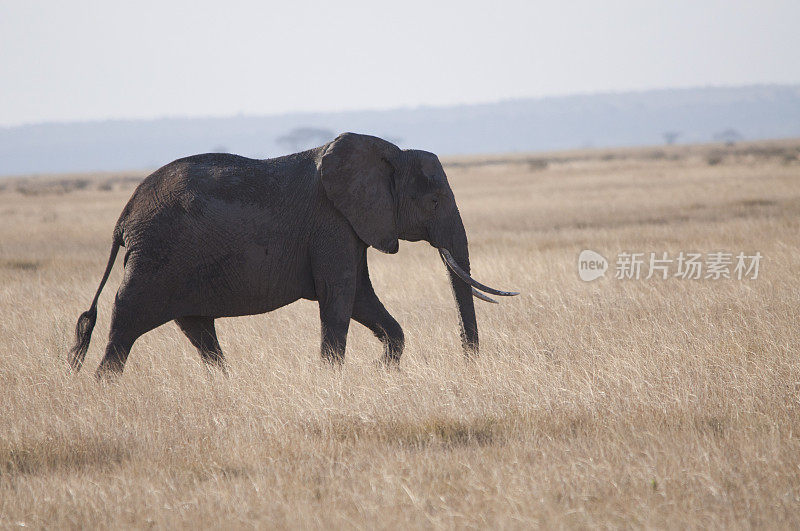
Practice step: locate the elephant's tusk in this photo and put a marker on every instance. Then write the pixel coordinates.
(452, 264)
(481, 296)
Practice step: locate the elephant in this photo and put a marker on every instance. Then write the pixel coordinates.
(220, 235)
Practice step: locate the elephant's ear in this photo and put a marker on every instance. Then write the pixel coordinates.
(357, 174)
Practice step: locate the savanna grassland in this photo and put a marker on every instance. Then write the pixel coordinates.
(644, 403)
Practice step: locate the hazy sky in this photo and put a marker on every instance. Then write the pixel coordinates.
(141, 59)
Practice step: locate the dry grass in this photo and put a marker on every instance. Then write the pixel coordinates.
(616, 403)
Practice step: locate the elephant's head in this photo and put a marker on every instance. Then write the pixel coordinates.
(388, 194)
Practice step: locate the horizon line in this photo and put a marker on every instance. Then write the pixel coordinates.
(398, 107)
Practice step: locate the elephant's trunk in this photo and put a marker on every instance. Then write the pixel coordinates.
(459, 250)
(455, 253)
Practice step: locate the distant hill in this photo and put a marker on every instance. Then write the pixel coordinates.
(597, 120)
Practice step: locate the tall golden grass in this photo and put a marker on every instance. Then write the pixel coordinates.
(650, 403)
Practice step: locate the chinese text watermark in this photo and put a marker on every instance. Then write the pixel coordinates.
(661, 265)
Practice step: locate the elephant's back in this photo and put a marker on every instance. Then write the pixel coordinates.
(217, 188)
(200, 177)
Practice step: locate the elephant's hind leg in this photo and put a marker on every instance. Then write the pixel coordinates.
(128, 323)
(203, 335)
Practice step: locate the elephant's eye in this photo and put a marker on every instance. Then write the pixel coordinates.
(435, 202)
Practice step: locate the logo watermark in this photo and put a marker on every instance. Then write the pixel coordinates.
(591, 265)
(661, 265)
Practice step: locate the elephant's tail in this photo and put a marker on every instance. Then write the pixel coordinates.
(83, 330)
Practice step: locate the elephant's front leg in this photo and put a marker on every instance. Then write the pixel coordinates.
(335, 307)
(369, 311)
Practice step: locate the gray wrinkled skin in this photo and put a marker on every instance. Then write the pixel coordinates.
(221, 235)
